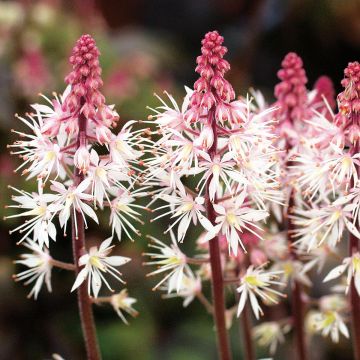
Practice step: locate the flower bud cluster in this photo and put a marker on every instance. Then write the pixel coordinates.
(291, 92)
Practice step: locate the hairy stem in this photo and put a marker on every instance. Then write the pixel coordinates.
(78, 244)
(354, 298)
(215, 263)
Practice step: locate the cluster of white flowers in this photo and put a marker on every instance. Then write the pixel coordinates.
(213, 163)
(80, 166)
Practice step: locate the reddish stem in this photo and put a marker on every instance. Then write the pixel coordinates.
(78, 244)
(296, 299)
(354, 298)
(215, 263)
(247, 338)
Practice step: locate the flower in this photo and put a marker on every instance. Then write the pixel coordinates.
(40, 266)
(72, 198)
(41, 209)
(233, 217)
(170, 259)
(44, 156)
(123, 302)
(122, 212)
(270, 334)
(257, 282)
(316, 225)
(97, 262)
(189, 288)
(329, 322)
(352, 265)
(185, 208)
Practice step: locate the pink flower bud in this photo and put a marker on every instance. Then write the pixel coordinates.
(82, 159)
(258, 257)
(205, 139)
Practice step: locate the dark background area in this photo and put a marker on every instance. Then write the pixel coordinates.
(146, 46)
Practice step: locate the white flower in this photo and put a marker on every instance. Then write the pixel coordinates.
(293, 271)
(40, 208)
(72, 198)
(352, 265)
(167, 117)
(189, 288)
(185, 209)
(314, 226)
(121, 146)
(329, 323)
(123, 215)
(270, 334)
(39, 264)
(257, 282)
(169, 259)
(233, 217)
(97, 263)
(42, 155)
(104, 174)
(217, 169)
(353, 201)
(123, 302)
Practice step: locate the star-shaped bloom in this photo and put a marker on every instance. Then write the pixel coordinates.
(233, 217)
(258, 282)
(39, 264)
(73, 199)
(40, 210)
(95, 264)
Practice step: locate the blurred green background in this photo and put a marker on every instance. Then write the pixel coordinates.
(147, 46)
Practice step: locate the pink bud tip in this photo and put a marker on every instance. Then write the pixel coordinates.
(325, 88)
(291, 91)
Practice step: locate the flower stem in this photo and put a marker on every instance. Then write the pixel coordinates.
(354, 298)
(215, 263)
(297, 302)
(247, 338)
(78, 244)
(62, 265)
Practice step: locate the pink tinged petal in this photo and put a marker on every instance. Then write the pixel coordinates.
(80, 279)
(83, 185)
(336, 272)
(219, 209)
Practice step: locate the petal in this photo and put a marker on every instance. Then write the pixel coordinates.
(117, 260)
(80, 279)
(336, 272)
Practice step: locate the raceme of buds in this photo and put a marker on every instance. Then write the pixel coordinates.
(349, 103)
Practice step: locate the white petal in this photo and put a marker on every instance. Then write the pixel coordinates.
(80, 279)
(336, 272)
(117, 260)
